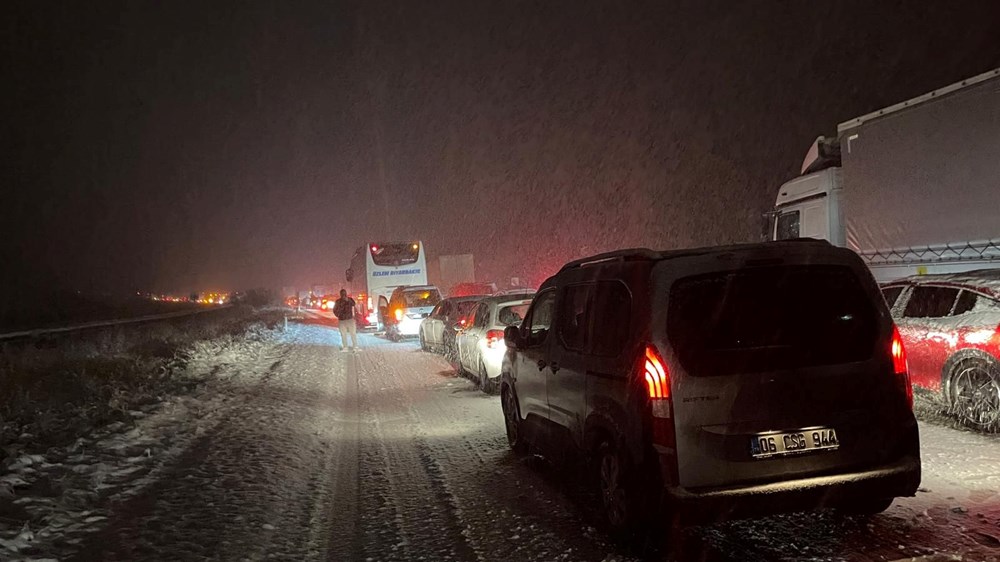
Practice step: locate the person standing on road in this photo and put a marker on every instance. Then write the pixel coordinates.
(343, 309)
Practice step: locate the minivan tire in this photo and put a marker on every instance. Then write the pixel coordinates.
(512, 422)
(617, 485)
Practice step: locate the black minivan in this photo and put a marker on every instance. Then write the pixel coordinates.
(717, 382)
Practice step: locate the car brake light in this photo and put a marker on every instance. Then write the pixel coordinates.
(899, 366)
(493, 337)
(399, 314)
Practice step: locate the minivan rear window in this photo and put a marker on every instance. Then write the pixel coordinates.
(770, 318)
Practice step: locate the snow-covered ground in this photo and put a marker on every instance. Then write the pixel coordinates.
(297, 451)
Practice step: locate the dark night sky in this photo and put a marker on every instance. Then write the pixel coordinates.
(192, 145)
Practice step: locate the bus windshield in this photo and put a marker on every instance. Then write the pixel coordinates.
(395, 254)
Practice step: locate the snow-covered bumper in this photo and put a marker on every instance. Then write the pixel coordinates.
(894, 479)
(492, 355)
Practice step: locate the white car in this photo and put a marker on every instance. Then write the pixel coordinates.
(480, 345)
(408, 306)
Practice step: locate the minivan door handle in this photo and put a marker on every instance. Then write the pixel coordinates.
(542, 364)
(554, 366)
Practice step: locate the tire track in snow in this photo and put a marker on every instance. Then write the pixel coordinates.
(424, 510)
(334, 487)
(458, 432)
(507, 510)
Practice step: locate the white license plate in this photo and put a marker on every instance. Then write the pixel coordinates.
(766, 445)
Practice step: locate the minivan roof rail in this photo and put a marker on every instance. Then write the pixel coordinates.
(645, 254)
(631, 254)
(684, 252)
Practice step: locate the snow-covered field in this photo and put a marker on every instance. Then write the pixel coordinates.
(296, 451)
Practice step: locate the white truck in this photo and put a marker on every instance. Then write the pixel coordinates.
(455, 270)
(913, 188)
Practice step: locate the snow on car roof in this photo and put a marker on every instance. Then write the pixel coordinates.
(466, 298)
(983, 280)
(408, 288)
(505, 299)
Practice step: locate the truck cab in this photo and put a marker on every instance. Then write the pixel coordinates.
(809, 206)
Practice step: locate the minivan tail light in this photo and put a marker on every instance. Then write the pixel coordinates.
(656, 379)
(654, 371)
(399, 314)
(899, 366)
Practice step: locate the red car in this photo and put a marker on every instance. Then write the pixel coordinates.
(950, 326)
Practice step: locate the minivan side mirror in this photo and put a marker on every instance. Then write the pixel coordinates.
(511, 336)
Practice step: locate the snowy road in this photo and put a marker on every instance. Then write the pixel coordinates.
(386, 455)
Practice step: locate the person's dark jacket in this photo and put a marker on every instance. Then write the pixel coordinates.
(343, 308)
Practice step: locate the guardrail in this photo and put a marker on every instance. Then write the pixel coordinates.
(979, 250)
(107, 323)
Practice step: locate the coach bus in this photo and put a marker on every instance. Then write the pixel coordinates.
(379, 267)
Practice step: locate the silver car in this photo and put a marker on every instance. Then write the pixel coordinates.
(437, 331)
(480, 345)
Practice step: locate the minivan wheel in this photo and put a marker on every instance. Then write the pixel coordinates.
(975, 393)
(617, 490)
(512, 422)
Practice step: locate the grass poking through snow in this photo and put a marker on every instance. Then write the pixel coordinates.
(55, 390)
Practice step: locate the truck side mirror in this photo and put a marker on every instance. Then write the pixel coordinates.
(511, 336)
(767, 226)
